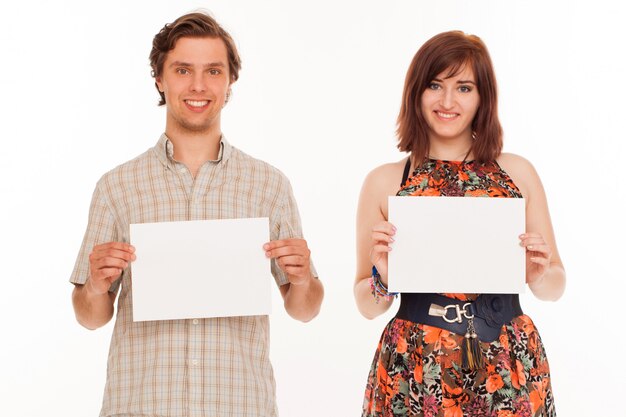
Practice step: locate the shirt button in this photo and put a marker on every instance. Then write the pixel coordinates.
(195, 321)
(194, 362)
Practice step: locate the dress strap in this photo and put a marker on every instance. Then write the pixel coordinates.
(407, 167)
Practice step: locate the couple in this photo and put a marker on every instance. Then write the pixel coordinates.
(448, 124)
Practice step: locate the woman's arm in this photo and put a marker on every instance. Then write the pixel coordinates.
(374, 235)
(545, 274)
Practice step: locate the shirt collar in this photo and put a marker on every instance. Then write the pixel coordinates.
(164, 151)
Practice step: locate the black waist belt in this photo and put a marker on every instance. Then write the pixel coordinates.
(489, 312)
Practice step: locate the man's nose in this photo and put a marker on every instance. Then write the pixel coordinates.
(199, 82)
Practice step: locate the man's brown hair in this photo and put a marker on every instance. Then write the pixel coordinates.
(451, 52)
(192, 25)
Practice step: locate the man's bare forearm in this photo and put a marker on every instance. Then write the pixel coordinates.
(303, 302)
(92, 310)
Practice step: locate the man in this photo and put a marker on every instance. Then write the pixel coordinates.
(202, 367)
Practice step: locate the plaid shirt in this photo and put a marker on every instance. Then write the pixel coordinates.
(213, 367)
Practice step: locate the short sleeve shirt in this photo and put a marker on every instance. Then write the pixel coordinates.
(192, 368)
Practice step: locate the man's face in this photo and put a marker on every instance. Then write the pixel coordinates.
(195, 80)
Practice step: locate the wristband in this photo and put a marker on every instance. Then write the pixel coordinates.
(378, 288)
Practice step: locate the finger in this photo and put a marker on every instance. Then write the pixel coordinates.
(385, 227)
(127, 247)
(540, 261)
(532, 241)
(112, 253)
(377, 251)
(110, 274)
(285, 242)
(380, 248)
(288, 251)
(296, 271)
(382, 237)
(99, 286)
(529, 234)
(292, 261)
(109, 262)
(544, 249)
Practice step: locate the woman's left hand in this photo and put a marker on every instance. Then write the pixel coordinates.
(538, 256)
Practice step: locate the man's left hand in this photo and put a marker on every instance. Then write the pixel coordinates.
(293, 257)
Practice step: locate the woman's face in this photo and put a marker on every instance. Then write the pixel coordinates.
(450, 104)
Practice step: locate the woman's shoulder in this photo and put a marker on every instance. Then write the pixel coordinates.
(386, 174)
(521, 171)
(516, 163)
(383, 181)
(513, 158)
(389, 168)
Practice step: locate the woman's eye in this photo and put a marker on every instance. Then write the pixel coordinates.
(465, 89)
(434, 86)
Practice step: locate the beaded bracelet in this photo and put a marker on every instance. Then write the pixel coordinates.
(378, 288)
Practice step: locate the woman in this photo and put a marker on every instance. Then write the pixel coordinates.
(449, 123)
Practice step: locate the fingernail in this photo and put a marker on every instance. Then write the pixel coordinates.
(267, 254)
(393, 228)
(131, 248)
(392, 239)
(530, 246)
(522, 236)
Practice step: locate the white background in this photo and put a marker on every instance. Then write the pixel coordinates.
(318, 96)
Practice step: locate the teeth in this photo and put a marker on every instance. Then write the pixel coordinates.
(194, 103)
(446, 115)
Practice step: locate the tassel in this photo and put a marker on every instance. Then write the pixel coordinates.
(471, 353)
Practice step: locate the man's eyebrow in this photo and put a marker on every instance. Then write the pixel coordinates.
(187, 64)
(180, 64)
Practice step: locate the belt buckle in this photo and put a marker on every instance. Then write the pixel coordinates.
(439, 311)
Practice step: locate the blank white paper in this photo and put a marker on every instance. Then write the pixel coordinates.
(199, 269)
(457, 244)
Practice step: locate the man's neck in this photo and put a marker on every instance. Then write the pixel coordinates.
(194, 149)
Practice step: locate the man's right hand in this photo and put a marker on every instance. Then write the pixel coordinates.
(106, 263)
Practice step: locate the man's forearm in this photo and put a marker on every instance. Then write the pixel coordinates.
(92, 310)
(302, 302)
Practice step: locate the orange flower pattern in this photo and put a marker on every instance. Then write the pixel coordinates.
(416, 371)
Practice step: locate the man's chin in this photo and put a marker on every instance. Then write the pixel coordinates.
(196, 128)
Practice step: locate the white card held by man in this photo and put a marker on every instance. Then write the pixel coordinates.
(198, 269)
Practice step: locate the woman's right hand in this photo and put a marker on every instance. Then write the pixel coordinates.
(382, 238)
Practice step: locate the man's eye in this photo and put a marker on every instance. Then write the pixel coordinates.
(214, 71)
(182, 71)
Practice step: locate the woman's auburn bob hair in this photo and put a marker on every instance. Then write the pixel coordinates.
(450, 52)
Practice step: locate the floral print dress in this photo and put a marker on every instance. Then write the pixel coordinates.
(417, 368)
